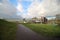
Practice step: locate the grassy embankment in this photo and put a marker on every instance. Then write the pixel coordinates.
(7, 30)
(47, 30)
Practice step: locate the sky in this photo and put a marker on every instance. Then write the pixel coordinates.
(29, 8)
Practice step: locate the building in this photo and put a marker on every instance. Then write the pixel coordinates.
(58, 18)
(44, 20)
(39, 20)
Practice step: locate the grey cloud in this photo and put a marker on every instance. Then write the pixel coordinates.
(51, 7)
(6, 9)
(58, 2)
(46, 8)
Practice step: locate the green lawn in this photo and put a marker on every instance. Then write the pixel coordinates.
(7, 30)
(48, 30)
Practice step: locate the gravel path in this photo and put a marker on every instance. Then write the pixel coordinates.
(24, 33)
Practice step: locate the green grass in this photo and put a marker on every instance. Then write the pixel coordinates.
(7, 30)
(47, 30)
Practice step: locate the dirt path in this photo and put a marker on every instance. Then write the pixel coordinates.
(24, 33)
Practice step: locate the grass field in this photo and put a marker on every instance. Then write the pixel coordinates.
(7, 30)
(47, 30)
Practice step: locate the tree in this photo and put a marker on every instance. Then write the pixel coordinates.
(24, 20)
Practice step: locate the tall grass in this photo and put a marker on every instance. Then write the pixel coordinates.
(7, 30)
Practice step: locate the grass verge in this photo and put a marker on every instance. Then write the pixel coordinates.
(47, 30)
(7, 30)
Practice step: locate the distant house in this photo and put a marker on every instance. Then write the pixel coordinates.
(39, 20)
(58, 18)
(44, 20)
(51, 21)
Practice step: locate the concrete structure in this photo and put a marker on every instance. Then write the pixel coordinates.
(58, 18)
(40, 20)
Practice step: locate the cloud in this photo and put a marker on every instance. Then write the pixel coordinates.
(6, 9)
(0, 4)
(58, 2)
(20, 8)
(24, 0)
(36, 8)
(45, 8)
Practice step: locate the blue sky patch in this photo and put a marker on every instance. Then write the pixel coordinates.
(0, 0)
(40, 1)
(14, 2)
(25, 4)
